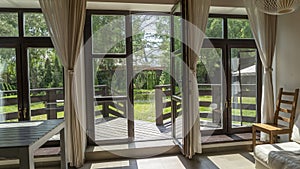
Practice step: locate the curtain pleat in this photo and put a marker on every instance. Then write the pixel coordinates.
(65, 19)
(197, 12)
(264, 29)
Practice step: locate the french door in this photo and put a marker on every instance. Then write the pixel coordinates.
(31, 76)
(177, 71)
(229, 98)
(109, 77)
(229, 80)
(244, 88)
(10, 108)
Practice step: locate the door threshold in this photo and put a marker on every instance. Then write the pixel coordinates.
(225, 138)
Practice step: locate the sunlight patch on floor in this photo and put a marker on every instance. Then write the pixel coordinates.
(236, 161)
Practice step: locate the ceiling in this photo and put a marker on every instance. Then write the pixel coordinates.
(218, 6)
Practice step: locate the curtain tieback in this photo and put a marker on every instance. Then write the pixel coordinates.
(70, 71)
(268, 69)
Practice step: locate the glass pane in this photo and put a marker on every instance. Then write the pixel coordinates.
(9, 24)
(239, 29)
(108, 34)
(110, 103)
(177, 75)
(210, 76)
(151, 64)
(243, 87)
(110, 77)
(8, 85)
(177, 55)
(177, 102)
(35, 25)
(214, 28)
(46, 84)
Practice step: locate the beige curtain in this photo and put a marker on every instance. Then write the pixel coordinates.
(65, 19)
(264, 28)
(197, 12)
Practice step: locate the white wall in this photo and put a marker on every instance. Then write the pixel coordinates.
(288, 58)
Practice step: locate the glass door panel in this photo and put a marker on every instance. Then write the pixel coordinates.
(8, 85)
(243, 97)
(177, 74)
(110, 99)
(151, 66)
(210, 74)
(46, 84)
(108, 34)
(177, 98)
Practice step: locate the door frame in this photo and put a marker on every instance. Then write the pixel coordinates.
(231, 130)
(174, 99)
(89, 56)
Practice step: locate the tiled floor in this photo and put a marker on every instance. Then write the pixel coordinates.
(243, 160)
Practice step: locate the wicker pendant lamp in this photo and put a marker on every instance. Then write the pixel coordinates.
(277, 7)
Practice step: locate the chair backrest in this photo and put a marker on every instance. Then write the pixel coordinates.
(287, 104)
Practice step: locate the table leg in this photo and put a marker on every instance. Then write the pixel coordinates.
(63, 154)
(253, 137)
(26, 158)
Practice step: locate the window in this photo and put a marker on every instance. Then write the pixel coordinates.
(46, 84)
(228, 74)
(239, 29)
(31, 76)
(112, 25)
(35, 25)
(9, 24)
(8, 84)
(214, 28)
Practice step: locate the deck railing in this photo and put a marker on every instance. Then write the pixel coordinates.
(52, 102)
(51, 98)
(163, 104)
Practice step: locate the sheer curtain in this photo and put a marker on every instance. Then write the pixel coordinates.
(197, 12)
(65, 19)
(264, 28)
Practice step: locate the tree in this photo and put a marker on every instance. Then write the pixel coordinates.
(35, 25)
(47, 80)
(57, 74)
(44, 69)
(9, 25)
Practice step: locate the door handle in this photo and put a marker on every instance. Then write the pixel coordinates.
(227, 104)
(25, 112)
(19, 113)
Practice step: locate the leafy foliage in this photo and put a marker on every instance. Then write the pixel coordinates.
(214, 28)
(8, 24)
(35, 25)
(44, 68)
(108, 34)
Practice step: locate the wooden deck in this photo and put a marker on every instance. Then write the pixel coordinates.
(116, 128)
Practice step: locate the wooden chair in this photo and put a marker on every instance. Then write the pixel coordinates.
(275, 128)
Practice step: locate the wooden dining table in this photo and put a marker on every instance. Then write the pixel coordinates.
(21, 139)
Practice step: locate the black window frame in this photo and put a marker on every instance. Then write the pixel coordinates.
(226, 44)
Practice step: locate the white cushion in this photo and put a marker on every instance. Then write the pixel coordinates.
(296, 131)
(262, 151)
